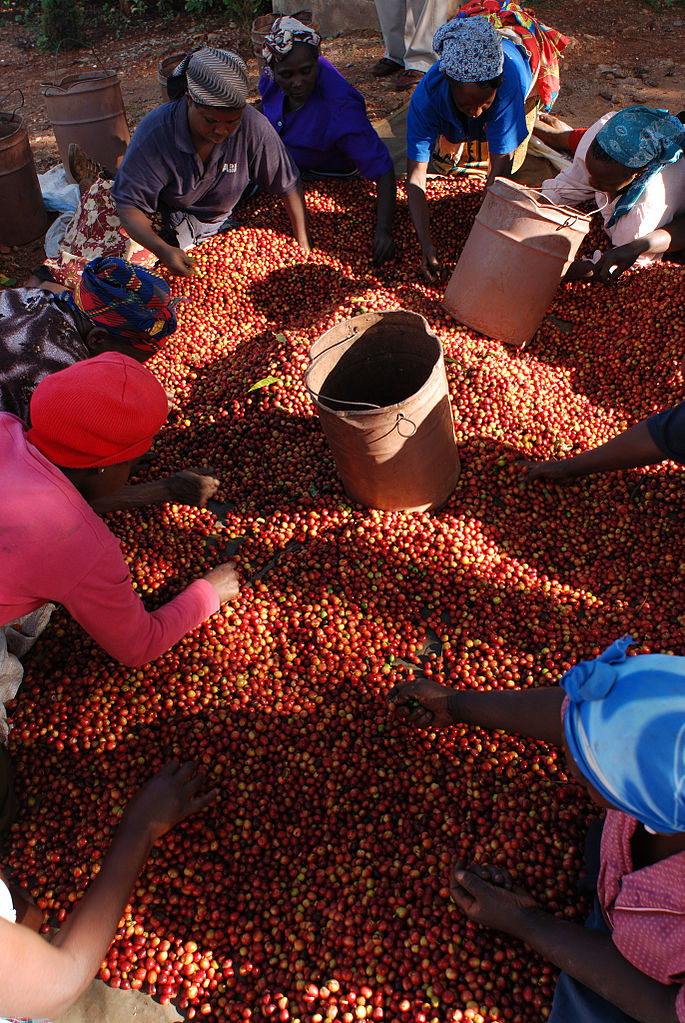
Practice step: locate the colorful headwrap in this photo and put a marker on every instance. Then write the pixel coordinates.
(131, 303)
(286, 33)
(625, 727)
(212, 78)
(641, 137)
(543, 44)
(97, 412)
(470, 50)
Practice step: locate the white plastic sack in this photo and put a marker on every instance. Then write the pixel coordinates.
(55, 235)
(59, 195)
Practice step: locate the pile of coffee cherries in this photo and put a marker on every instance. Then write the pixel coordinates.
(316, 887)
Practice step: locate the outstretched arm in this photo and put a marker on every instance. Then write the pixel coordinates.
(587, 956)
(500, 167)
(40, 979)
(629, 450)
(297, 211)
(418, 209)
(532, 712)
(139, 227)
(386, 191)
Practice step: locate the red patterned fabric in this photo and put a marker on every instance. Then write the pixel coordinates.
(542, 43)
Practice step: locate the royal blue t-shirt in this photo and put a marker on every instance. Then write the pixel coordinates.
(432, 111)
(162, 171)
(331, 132)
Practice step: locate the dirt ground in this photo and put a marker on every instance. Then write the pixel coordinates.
(617, 55)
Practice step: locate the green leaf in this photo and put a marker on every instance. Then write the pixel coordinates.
(264, 382)
(7, 282)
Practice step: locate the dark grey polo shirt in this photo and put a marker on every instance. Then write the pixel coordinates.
(162, 171)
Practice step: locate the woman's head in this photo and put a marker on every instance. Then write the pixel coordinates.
(291, 52)
(625, 730)
(472, 60)
(633, 144)
(97, 415)
(215, 84)
(126, 304)
(605, 173)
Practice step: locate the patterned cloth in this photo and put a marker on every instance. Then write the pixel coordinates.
(133, 304)
(641, 138)
(469, 51)
(645, 908)
(212, 78)
(286, 33)
(625, 728)
(543, 44)
(38, 336)
(95, 230)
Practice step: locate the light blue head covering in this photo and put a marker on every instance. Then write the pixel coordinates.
(470, 50)
(625, 727)
(641, 137)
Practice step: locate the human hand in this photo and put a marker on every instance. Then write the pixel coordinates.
(580, 270)
(167, 798)
(485, 901)
(224, 579)
(178, 262)
(383, 247)
(422, 703)
(431, 269)
(192, 486)
(550, 470)
(615, 262)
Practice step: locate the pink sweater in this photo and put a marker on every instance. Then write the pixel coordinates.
(54, 547)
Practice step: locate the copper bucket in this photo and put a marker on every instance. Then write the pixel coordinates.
(23, 214)
(517, 238)
(167, 62)
(378, 383)
(88, 109)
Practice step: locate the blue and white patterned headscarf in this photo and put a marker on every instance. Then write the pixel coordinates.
(625, 727)
(470, 50)
(641, 138)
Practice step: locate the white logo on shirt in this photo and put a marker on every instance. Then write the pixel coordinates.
(230, 167)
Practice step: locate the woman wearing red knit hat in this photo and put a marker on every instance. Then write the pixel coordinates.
(89, 423)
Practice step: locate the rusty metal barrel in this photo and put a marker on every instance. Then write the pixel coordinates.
(378, 383)
(167, 62)
(23, 216)
(88, 109)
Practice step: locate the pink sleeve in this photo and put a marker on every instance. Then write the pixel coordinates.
(104, 603)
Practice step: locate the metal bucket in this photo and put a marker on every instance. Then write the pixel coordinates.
(23, 216)
(378, 383)
(261, 27)
(167, 62)
(517, 252)
(88, 109)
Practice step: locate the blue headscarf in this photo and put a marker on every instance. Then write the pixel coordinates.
(625, 727)
(131, 303)
(641, 137)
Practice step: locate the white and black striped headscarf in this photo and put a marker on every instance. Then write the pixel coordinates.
(212, 78)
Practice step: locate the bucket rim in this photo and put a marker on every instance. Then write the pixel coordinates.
(523, 191)
(60, 89)
(379, 409)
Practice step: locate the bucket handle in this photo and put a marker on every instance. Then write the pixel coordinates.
(401, 418)
(18, 106)
(70, 39)
(572, 217)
